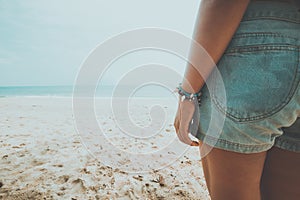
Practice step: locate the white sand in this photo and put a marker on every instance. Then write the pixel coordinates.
(42, 155)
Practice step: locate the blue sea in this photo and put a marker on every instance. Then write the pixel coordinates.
(67, 91)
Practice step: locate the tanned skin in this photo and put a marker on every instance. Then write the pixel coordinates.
(229, 175)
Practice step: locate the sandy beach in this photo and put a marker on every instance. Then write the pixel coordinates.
(43, 156)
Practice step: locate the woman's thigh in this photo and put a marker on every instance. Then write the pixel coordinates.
(232, 175)
(281, 175)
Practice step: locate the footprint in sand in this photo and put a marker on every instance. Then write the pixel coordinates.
(78, 185)
(37, 163)
(62, 179)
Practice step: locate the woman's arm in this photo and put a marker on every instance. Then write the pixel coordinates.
(216, 24)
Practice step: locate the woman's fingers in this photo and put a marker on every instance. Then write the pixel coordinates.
(177, 123)
(184, 135)
(176, 120)
(181, 123)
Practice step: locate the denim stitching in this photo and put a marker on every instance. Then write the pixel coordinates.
(226, 142)
(271, 18)
(270, 46)
(263, 115)
(256, 48)
(286, 144)
(254, 118)
(261, 34)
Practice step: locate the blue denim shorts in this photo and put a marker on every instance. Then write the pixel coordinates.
(260, 71)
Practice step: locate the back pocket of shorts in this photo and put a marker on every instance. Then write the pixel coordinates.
(260, 74)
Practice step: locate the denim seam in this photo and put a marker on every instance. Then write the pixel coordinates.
(257, 48)
(263, 115)
(271, 18)
(262, 34)
(287, 139)
(226, 142)
(256, 118)
(286, 144)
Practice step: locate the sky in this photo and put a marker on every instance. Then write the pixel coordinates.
(45, 42)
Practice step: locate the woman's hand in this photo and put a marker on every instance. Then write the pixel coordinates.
(182, 121)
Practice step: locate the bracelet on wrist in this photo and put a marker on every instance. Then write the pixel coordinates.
(187, 95)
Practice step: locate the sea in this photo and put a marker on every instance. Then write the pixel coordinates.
(155, 91)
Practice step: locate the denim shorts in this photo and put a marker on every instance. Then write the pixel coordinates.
(260, 72)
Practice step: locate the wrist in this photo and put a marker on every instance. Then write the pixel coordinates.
(186, 95)
(191, 88)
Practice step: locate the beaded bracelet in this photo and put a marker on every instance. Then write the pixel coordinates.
(188, 96)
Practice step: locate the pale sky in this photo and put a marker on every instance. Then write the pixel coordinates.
(44, 42)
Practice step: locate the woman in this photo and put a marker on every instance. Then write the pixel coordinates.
(255, 45)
